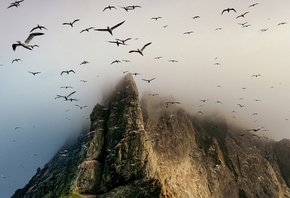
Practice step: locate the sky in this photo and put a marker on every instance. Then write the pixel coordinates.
(216, 65)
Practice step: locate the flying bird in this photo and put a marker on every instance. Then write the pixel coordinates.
(123, 41)
(140, 51)
(173, 61)
(84, 62)
(228, 10)
(67, 71)
(133, 7)
(218, 29)
(115, 61)
(34, 73)
(65, 97)
(156, 18)
(135, 74)
(26, 42)
(16, 60)
(242, 15)
(109, 7)
(84, 81)
(154, 94)
(81, 107)
(167, 103)
(110, 29)
(38, 27)
(264, 30)
(158, 57)
(118, 43)
(252, 5)
(71, 23)
(256, 75)
(196, 17)
(66, 87)
(15, 4)
(283, 23)
(190, 32)
(87, 29)
(148, 80)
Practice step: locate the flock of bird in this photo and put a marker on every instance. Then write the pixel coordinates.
(141, 52)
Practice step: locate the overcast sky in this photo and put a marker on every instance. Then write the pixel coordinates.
(213, 64)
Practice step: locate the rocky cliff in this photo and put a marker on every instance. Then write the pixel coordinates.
(142, 149)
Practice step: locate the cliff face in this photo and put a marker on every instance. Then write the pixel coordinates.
(142, 149)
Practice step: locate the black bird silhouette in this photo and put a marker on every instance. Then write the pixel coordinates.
(81, 107)
(135, 74)
(15, 4)
(173, 61)
(196, 17)
(16, 60)
(84, 81)
(167, 103)
(38, 27)
(87, 29)
(65, 97)
(67, 71)
(256, 75)
(140, 51)
(156, 18)
(34, 73)
(84, 62)
(264, 30)
(124, 72)
(71, 23)
(148, 80)
(110, 29)
(252, 5)
(283, 23)
(154, 94)
(158, 57)
(242, 15)
(125, 8)
(109, 7)
(115, 61)
(25, 43)
(66, 87)
(190, 32)
(123, 41)
(133, 7)
(228, 10)
(118, 43)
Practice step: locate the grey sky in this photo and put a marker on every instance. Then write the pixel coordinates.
(29, 101)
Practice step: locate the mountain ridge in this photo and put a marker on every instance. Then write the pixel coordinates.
(143, 149)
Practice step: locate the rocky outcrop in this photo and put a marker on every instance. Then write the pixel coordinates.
(142, 149)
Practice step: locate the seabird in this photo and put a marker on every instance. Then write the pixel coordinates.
(109, 7)
(84, 81)
(87, 29)
(110, 29)
(115, 61)
(65, 97)
(264, 30)
(256, 75)
(16, 59)
(253, 5)
(25, 43)
(38, 27)
(140, 51)
(84, 62)
(156, 18)
(66, 87)
(118, 43)
(67, 71)
(135, 74)
(242, 15)
(132, 7)
(148, 80)
(81, 107)
(158, 57)
(228, 10)
(154, 94)
(173, 61)
(190, 32)
(196, 17)
(123, 41)
(34, 73)
(283, 23)
(71, 23)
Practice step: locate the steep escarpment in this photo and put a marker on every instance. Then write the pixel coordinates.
(143, 149)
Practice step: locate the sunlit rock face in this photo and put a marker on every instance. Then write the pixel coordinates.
(143, 149)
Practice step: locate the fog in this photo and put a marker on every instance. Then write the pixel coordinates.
(47, 123)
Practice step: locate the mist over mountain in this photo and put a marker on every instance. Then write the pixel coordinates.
(152, 148)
